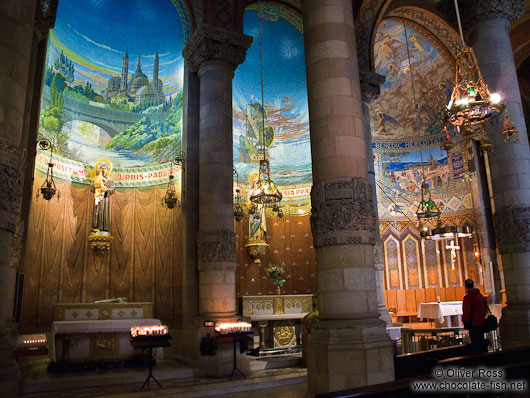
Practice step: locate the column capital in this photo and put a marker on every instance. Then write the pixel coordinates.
(473, 12)
(211, 43)
(371, 83)
(217, 247)
(512, 229)
(342, 212)
(45, 15)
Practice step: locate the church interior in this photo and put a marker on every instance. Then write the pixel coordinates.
(251, 198)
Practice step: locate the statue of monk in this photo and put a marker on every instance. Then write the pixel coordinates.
(103, 188)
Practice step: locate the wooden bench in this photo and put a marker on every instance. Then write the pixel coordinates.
(403, 304)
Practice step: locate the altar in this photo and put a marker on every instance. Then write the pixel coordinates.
(283, 312)
(445, 314)
(97, 331)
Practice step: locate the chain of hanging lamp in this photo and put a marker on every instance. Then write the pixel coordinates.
(264, 191)
(427, 208)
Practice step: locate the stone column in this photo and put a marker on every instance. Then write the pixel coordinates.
(190, 196)
(370, 90)
(349, 346)
(509, 163)
(214, 53)
(22, 26)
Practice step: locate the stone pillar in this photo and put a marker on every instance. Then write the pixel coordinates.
(348, 347)
(22, 26)
(509, 163)
(214, 53)
(190, 196)
(370, 90)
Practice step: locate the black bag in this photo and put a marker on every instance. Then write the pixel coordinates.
(491, 322)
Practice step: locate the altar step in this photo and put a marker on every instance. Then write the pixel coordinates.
(256, 364)
(37, 379)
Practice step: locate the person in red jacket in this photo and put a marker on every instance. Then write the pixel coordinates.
(474, 309)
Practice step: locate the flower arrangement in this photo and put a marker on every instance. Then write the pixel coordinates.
(275, 271)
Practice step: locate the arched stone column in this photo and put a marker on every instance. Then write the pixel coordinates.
(370, 90)
(509, 163)
(214, 53)
(348, 347)
(22, 26)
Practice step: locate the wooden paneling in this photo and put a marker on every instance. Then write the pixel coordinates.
(460, 291)
(440, 292)
(420, 298)
(290, 244)
(430, 295)
(450, 294)
(411, 300)
(401, 301)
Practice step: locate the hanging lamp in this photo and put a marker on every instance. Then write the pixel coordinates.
(264, 191)
(471, 102)
(239, 214)
(170, 199)
(48, 188)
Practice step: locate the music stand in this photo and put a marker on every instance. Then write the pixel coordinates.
(149, 342)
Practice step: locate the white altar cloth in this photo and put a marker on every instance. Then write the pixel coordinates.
(96, 326)
(441, 312)
(394, 332)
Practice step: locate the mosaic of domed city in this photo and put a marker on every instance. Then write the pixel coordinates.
(280, 132)
(113, 89)
(406, 147)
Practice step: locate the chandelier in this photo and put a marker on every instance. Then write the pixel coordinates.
(48, 188)
(450, 232)
(471, 102)
(239, 214)
(264, 191)
(170, 199)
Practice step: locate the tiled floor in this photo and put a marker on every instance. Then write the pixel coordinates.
(176, 380)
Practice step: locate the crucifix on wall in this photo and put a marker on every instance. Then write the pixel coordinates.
(453, 248)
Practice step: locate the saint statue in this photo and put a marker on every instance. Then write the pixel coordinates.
(103, 188)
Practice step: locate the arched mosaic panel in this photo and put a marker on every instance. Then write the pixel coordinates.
(113, 89)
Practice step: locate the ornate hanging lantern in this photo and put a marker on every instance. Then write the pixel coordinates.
(509, 129)
(471, 101)
(48, 188)
(427, 208)
(170, 199)
(239, 214)
(265, 192)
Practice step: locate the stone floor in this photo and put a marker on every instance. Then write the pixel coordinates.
(176, 380)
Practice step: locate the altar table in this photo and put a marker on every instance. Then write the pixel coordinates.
(97, 331)
(443, 313)
(282, 310)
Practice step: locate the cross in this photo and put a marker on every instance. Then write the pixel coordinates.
(453, 248)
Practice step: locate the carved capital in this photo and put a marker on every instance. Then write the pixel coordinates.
(210, 43)
(512, 229)
(10, 197)
(217, 247)
(473, 12)
(342, 212)
(370, 85)
(45, 16)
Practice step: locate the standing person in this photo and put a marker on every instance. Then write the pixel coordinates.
(474, 309)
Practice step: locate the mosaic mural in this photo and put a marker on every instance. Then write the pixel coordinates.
(393, 113)
(285, 138)
(405, 157)
(113, 83)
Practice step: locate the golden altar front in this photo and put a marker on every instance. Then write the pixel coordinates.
(283, 311)
(97, 331)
